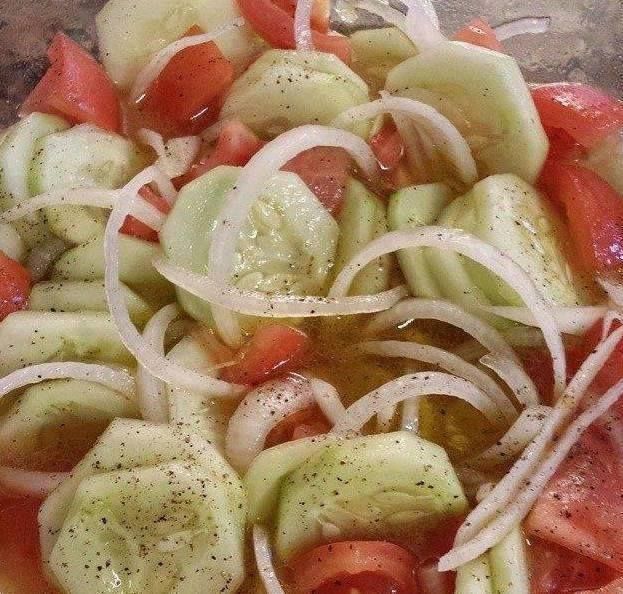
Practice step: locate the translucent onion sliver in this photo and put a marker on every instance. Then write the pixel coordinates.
(302, 25)
(30, 483)
(264, 561)
(515, 377)
(327, 398)
(533, 25)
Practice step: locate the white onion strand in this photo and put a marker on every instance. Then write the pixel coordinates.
(328, 399)
(302, 25)
(264, 561)
(531, 25)
(30, 483)
(514, 377)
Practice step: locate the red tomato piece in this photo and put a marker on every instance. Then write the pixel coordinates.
(388, 147)
(585, 113)
(373, 567)
(308, 422)
(321, 12)
(556, 570)
(188, 94)
(14, 286)
(273, 350)
(75, 87)
(325, 171)
(136, 228)
(594, 213)
(479, 32)
(235, 146)
(273, 24)
(615, 587)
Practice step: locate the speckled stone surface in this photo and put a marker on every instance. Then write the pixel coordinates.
(585, 43)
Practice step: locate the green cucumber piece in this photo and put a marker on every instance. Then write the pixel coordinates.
(485, 95)
(77, 296)
(31, 337)
(410, 208)
(86, 262)
(82, 157)
(55, 404)
(509, 564)
(474, 577)
(361, 220)
(162, 506)
(378, 486)
(606, 159)
(288, 245)
(284, 89)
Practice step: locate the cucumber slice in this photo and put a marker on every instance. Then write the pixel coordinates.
(16, 153)
(361, 220)
(378, 486)
(273, 95)
(475, 577)
(606, 159)
(509, 214)
(11, 243)
(82, 157)
(31, 337)
(173, 513)
(193, 411)
(495, 109)
(410, 208)
(77, 296)
(56, 404)
(377, 51)
(86, 262)
(288, 246)
(509, 564)
(130, 32)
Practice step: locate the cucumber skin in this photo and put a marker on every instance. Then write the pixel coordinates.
(410, 208)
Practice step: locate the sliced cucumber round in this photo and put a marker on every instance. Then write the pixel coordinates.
(288, 245)
(284, 89)
(474, 577)
(361, 220)
(410, 208)
(485, 95)
(83, 157)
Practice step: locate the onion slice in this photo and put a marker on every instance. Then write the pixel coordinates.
(531, 25)
(176, 156)
(515, 377)
(408, 387)
(302, 25)
(264, 561)
(327, 398)
(422, 24)
(471, 247)
(30, 483)
(159, 61)
(390, 15)
(614, 290)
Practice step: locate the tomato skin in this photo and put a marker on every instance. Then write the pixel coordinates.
(188, 94)
(321, 12)
(75, 87)
(308, 422)
(273, 350)
(136, 228)
(587, 114)
(14, 286)
(594, 213)
(373, 567)
(615, 587)
(388, 147)
(273, 24)
(479, 32)
(325, 172)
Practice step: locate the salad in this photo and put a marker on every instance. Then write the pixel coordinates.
(286, 311)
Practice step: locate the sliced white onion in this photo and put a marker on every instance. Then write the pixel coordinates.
(385, 418)
(422, 24)
(514, 441)
(390, 15)
(302, 25)
(504, 522)
(614, 290)
(570, 320)
(146, 356)
(500, 404)
(609, 319)
(410, 420)
(176, 156)
(259, 412)
(408, 387)
(152, 398)
(327, 398)
(115, 379)
(441, 130)
(488, 256)
(158, 63)
(30, 483)
(515, 377)
(11, 243)
(264, 305)
(533, 25)
(519, 336)
(264, 561)
(42, 257)
(249, 186)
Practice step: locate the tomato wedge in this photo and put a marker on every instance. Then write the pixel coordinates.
(235, 146)
(76, 88)
(273, 24)
(587, 114)
(188, 94)
(594, 213)
(325, 171)
(373, 567)
(273, 350)
(388, 147)
(136, 228)
(14, 286)
(479, 32)
(321, 12)
(308, 422)
(615, 587)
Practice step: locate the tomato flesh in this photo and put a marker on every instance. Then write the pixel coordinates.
(388, 147)
(136, 228)
(308, 422)
(76, 88)
(14, 286)
(479, 32)
(321, 11)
